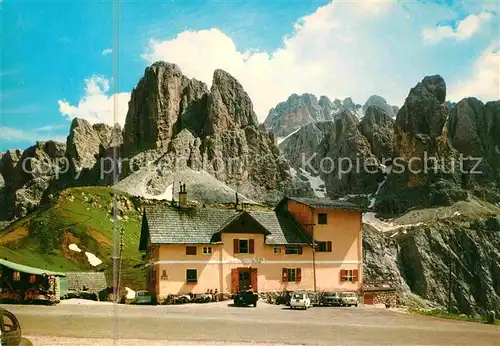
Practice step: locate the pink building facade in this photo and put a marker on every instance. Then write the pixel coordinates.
(192, 250)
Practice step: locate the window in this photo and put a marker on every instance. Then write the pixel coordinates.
(324, 246)
(293, 250)
(291, 275)
(191, 276)
(207, 250)
(322, 219)
(244, 246)
(190, 250)
(349, 275)
(277, 250)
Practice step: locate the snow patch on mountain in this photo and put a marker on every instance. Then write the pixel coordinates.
(317, 184)
(282, 139)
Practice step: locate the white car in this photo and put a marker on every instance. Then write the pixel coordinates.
(300, 300)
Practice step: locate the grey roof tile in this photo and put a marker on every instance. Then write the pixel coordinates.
(324, 203)
(171, 225)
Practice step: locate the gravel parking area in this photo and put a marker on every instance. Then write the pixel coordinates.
(222, 324)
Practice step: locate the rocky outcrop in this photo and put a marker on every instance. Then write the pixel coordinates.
(473, 129)
(378, 127)
(305, 142)
(162, 98)
(28, 174)
(236, 150)
(297, 111)
(424, 259)
(343, 156)
(379, 101)
(82, 144)
(109, 136)
(216, 131)
(425, 168)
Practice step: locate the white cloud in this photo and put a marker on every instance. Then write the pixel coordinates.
(322, 56)
(16, 135)
(344, 49)
(96, 106)
(463, 31)
(484, 82)
(107, 51)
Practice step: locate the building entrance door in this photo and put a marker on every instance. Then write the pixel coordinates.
(244, 279)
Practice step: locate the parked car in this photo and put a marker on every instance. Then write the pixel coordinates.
(349, 299)
(331, 299)
(246, 298)
(315, 298)
(10, 330)
(300, 300)
(142, 297)
(283, 298)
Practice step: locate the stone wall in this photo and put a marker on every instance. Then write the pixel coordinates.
(382, 297)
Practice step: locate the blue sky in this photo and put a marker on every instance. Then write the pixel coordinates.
(56, 61)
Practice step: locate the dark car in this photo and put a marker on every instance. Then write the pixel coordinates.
(246, 298)
(332, 299)
(10, 330)
(284, 298)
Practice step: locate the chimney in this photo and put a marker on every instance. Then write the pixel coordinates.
(182, 196)
(236, 206)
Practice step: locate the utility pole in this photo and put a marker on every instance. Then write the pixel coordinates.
(314, 259)
(313, 249)
(449, 284)
(122, 233)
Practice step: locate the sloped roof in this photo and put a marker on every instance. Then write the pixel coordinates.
(28, 270)
(93, 281)
(281, 226)
(185, 225)
(171, 225)
(324, 203)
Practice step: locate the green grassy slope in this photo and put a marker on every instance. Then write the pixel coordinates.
(78, 216)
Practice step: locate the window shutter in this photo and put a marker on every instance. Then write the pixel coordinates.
(300, 250)
(342, 275)
(284, 275)
(355, 275)
(253, 279)
(251, 246)
(329, 246)
(234, 280)
(298, 276)
(236, 246)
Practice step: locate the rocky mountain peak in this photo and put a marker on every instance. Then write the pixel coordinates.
(376, 100)
(435, 85)
(229, 106)
(424, 111)
(156, 103)
(83, 143)
(378, 127)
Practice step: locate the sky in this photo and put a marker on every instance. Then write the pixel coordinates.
(65, 59)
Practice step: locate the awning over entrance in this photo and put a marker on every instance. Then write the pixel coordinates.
(28, 270)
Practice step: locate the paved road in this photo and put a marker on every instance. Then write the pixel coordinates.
(266, 324)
